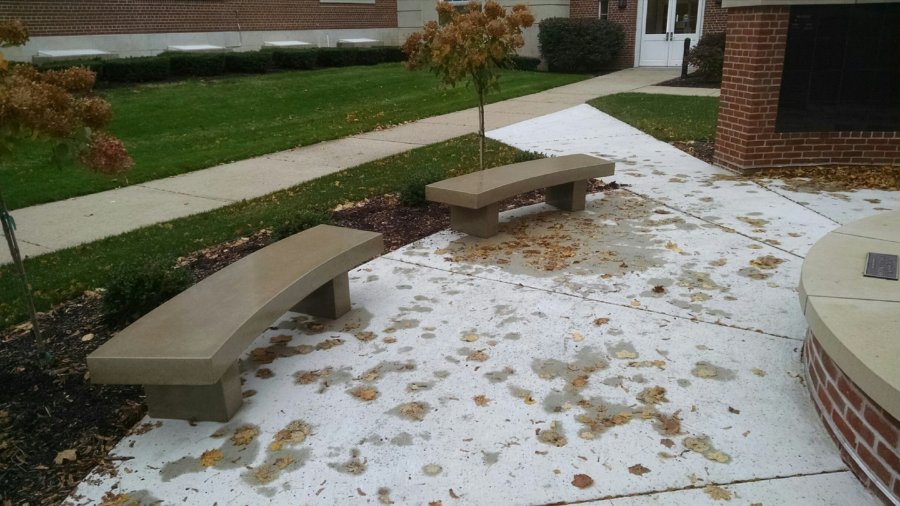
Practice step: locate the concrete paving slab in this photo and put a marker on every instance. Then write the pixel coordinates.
(829, 489)
(841, 207)
(239, 180)
(543, 367)
(526, 108)
(26, 249)
(680, 91)
(670, 176)
(621, 250)
(71, 222)
(341, 153)
(419, 133)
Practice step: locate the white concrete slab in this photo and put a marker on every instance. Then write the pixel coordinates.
(419, 133)
(341, 153)
(543, 364)
(619, 250)
(830, 489)
(71, 222)
(195, 47)
(839, 206)
(680, 91)
(664, 173)
(72, 53)
(286, 43)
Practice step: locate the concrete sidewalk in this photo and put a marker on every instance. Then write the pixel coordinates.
(59, 225)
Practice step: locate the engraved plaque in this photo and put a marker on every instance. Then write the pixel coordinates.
(882, 266)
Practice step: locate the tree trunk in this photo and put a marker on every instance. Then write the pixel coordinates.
(9, 230)
(481, 128)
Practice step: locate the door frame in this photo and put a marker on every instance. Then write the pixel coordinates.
(639, 27)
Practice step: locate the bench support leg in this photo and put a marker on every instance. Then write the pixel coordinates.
(331, 300)
(482, 222)
(568, 197)
(215, 403)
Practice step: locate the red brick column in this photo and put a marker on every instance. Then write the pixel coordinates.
(868, 436)
(714, 17)
(626, 17)
(745, 136)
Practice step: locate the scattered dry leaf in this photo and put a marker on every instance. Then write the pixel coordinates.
(295, 432)
(668, 443)
(577, 337)
(582, 481)
(626, 354)
(653, 395)
(264, 373)
(210, 457)
(717, 456)
(413, 410)
(717, 493)
(638, 470)
(470, 338)
(365, 393)
(758, 372)
(601, 321)
(478, 356)
(244, 435)
(481, 400)
(364, 336)
(704, 370)
(65, 455)
(766, 262)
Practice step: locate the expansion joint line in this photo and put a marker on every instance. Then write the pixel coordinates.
(761, 185)
(704, 220)
(598, 301)
(700, 487)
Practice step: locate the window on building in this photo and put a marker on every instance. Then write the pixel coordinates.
(841, 69)
(604, 9)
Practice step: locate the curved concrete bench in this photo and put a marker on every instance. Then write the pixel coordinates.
(852, 351)
(474, 198)
(185, 352)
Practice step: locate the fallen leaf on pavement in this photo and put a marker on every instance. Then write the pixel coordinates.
(582, 481)
(638, 470)
(717, 493)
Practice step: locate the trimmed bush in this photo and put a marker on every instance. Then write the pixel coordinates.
(197, 64)
(295, 59)
(709, 56)
(370, 55)
(95, 66)
(527, 156)
(580, 45)
(393, 54)
(412, 192)
(338, 56)
(134, 292)
(525, 63)
(297, 223)
(249, 62)
(136, 70)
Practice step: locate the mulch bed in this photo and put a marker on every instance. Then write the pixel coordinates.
(691, 81)
(55, 426)
(704, 150)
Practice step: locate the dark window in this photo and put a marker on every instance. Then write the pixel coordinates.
(841, 69)
(604, 9)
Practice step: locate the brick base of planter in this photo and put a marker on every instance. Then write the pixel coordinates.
(868, 436)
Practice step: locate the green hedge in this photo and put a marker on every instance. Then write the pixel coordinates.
(249, 62)
(136, 70)
(709, 56)
(525, 63)
(196, 64)
(579, 45)
(179, 65)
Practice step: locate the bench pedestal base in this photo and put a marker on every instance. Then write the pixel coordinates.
(567, 197)
(484, 222)
(213, 403)
(331, 300)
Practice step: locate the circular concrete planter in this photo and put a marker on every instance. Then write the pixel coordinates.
(852, 351)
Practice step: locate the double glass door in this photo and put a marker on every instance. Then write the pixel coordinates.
(666, 23)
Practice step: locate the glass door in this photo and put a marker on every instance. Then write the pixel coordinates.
(666, 23)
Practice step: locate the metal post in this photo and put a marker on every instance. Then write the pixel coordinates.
(684, 57)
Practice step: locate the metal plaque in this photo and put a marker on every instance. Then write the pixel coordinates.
(882, 266)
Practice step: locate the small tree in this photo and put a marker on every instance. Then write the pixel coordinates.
(56, 105)
(470, 45)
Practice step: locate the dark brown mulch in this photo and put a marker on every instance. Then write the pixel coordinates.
(703, 150)
(691, 81)
(45, 410)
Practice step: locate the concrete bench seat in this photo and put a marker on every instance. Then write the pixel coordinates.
(198, 48)
(185, 352)
(474, 199)
(293, 44)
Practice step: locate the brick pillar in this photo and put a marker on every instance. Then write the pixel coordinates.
(751, 83)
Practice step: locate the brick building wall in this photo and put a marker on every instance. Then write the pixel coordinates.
(868, 436)
(715, 17)
(584, 8)
(104, 17)
(745, 135)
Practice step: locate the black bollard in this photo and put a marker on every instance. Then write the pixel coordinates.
(684, 57)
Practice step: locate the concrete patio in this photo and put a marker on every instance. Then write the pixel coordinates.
(650, 343)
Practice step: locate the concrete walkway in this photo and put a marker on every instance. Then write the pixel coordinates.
(650, 343)
(58, 225)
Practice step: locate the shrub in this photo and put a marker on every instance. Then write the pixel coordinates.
(337, 56)
(249, 62)
(298, 222)
(527, 156)
(132, 293)
(295, 59)
(393, 54)
(136, 70)
(708, 56)
(197, 64)
(525, 62)
(370, 56)
(580, 44)
(412, 191)
(95, 66)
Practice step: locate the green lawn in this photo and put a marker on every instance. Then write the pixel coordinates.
(666, 117)
(178, 127)
(59, 276)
